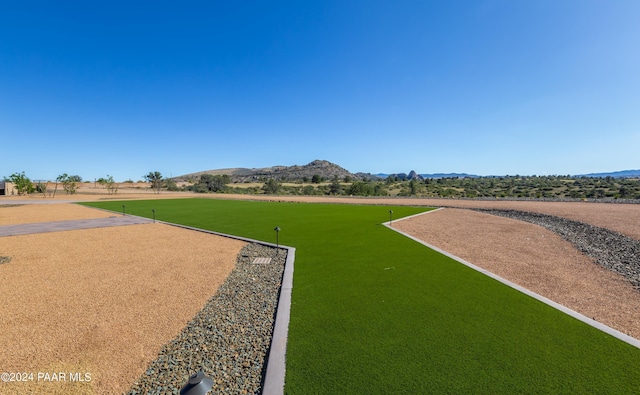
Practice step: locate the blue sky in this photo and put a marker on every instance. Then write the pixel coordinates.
(491, 87)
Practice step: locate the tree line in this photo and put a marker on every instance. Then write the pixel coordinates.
(23, 185)
(522, 187)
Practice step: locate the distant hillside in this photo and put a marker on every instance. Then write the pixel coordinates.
(328, 171)
(413, 174)
(322, 168)
(614, 174)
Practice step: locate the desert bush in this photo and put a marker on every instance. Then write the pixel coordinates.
(69, 183)
(308, 190)
(156, 180)
(271, 187)
(217, 183)
(335, 188)
(172, 186)
(109, 183)
(22, 183)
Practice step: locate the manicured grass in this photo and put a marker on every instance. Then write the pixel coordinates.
(374, 312)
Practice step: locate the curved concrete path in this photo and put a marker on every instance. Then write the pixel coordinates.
(57, 226)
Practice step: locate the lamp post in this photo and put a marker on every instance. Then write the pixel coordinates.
(390, 215)
(198, 384)
(123, 210)
(277, 229)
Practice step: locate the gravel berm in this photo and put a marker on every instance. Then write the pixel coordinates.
(609, 249)
(229, 338)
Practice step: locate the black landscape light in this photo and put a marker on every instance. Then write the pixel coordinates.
(277, 229)
(198, 384)
(154, 215)
(123, 210)
(390, 214)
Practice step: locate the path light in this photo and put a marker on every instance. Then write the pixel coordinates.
(154, 215)
(198, 384)
(277, 229)
(123, 210)
(390, 214)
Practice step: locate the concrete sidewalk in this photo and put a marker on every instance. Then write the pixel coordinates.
(57, 226)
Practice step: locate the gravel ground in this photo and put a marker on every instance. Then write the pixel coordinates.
(616, 252)
(11, 214)
(229, 339)
(101, 301)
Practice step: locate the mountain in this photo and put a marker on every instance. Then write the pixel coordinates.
(424, 176)
(449, 175)
(614, 174)
(322, 168)
(328, 171)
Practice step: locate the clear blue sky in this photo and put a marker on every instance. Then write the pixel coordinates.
(491, 87)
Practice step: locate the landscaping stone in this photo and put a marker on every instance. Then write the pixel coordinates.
(612, 250)
(229, 338)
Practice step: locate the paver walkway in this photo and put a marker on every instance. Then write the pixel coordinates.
(57, 226)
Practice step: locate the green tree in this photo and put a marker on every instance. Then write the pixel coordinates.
(156, 181)
(69, 183)
(359, 188)
(416, 187)
(109, 184)
(21, 183)
(271, 187)
(172, 185)
(379, 189)
(335, 188)
(42, 188)
(316, 179)
(217, 183)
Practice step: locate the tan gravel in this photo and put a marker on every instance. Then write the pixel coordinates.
(33, 213)
(622, 218)
(100, 301)
(535, 258)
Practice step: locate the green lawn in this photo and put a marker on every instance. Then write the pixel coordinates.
(376, 313)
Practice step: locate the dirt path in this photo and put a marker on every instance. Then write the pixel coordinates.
(623, 218)
(101, 301)
(534, 258)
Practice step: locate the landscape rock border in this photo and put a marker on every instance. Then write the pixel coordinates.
(273, 367)
(609, 249)
(229, 339)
